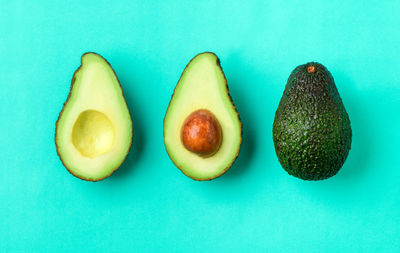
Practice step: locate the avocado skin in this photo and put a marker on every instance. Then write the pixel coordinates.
(311, 131)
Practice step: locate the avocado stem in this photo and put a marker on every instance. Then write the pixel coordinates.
(311, 69)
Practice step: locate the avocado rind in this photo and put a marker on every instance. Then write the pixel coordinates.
(311, 130)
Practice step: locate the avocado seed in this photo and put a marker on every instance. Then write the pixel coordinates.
(201, 133)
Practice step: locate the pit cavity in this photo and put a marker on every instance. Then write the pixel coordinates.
(93, 134)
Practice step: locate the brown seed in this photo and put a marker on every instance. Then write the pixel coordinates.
(201, 133)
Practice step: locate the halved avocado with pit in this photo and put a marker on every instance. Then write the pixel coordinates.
(202, 129)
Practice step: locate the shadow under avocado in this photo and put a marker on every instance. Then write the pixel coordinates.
(360, 152)
(248, 145)
(241, 77)
(138, 139)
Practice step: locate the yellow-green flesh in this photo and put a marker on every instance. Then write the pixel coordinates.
(94, 130)
(202, 86)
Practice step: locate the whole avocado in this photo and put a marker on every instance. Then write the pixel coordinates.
(311, 131)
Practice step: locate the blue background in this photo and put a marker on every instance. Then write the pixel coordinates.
(148, 205)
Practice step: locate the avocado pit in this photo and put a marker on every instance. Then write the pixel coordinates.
(201, 133)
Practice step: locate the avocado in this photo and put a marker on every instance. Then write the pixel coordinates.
(311, 131)
(94, 128)
(202, 129)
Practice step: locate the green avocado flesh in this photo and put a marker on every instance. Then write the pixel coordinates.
(311, 130)
(202, 86)
(94, 128)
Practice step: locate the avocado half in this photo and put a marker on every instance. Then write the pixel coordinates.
(94, 128)
(202, 90)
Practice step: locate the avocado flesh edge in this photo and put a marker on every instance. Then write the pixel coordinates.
(94, 87)
(202, 86)
(311, 131)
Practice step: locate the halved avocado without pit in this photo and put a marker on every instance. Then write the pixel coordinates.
(94, 128)
(202, 129)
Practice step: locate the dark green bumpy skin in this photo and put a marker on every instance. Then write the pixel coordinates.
(311, 131)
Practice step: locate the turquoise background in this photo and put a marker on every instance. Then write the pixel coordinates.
(148, 205)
